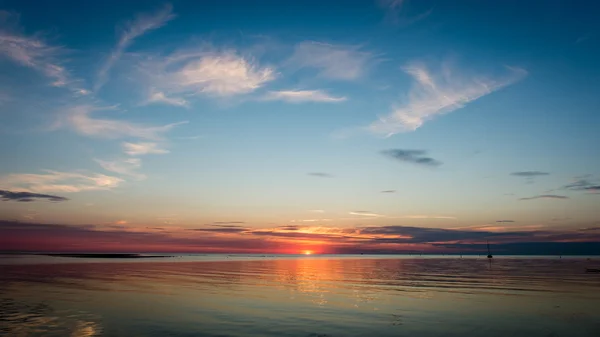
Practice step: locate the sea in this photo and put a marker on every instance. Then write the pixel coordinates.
(300, 296)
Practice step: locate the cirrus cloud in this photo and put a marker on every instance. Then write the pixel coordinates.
(337, 62)
(142, 148)
(302, 96)
(434, 94)
(56, 181)
(133, 29)
(79, 119)
(176, 78)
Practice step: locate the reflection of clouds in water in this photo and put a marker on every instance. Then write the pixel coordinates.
(25, 319)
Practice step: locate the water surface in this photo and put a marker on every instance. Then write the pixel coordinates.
(220, 295)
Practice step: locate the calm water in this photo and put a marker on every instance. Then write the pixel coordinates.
(296, 296)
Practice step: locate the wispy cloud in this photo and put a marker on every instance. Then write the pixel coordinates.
(55, 181)
(584, 38)
(227, 223)
(142, 148)
(176, 78)
(545, 196)
(302, 96)
(160, 97)
(389, 191)
(33, 52)
(236, 229)
(583, 184)
(320, 174)
(412, 156)
(442, 217)
(366, 213)
(434, 94)
(79, 118)
(505, 221)
(396, 12)
(28, 196)
(530, 176)
(337, 62)
(133, 29)
(128, 167)
(311, 220)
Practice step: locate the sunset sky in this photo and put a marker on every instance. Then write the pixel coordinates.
(284, 126)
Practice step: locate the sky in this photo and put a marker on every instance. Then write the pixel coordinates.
(291, 126)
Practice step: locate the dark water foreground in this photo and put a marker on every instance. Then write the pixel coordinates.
(305, 297)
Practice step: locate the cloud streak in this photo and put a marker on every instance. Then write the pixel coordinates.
(28, 196)
(34, 52)
(160, 97)
(396, 10)
(79, 118)
(529, 174)
(545, 196)
(582, 185)
(142, 148)
(321, 174)
(128, 167)
(412, 156)
(435, 94)
(366, 213)
(55, 181)
(142, 24)
(303, 96)
(336, 62)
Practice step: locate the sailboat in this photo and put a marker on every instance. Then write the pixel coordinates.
(489, 252)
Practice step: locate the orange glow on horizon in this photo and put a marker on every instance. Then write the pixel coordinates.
(308, 252)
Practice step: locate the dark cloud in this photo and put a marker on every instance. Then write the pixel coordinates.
(389, 191)
(430, 235)
(296, 235)
(222, 229)
(320, 174)
(590, 229)
(412, 156)
(289, 228)
(583, 185)
(227, 224)
(545, 196)
(532, 248)
(505, 221)
(21, 236)
(529, 174)
(384, 239)
(28, 196)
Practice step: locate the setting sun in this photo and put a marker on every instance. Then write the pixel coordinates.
(308, 252)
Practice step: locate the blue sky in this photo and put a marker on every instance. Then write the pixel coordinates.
(328, 114)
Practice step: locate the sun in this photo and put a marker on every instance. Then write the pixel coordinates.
(308, 252)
